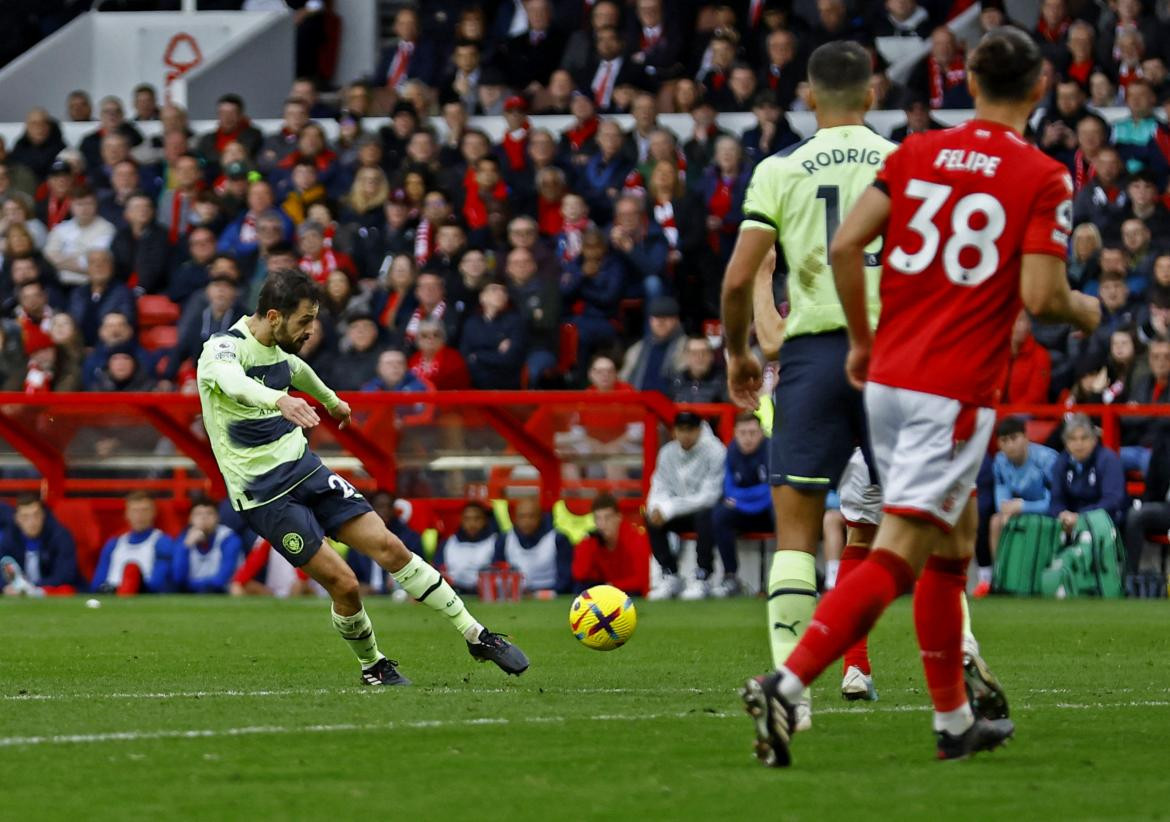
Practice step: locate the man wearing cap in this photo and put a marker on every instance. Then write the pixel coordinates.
(233, 189)
(651, 362)
(686, 486)
(514, 146)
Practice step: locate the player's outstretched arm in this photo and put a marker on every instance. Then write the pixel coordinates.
(769, 323)
(1045, 293)
(304, 378)
(865, 221)
(744, 375)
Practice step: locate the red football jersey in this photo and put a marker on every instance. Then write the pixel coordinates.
(965, 204)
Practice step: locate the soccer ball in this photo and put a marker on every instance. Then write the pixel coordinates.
(603, 618)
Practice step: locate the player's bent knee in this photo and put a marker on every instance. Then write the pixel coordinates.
(344, 586)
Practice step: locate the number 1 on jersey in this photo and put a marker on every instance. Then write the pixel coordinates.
(832, 197)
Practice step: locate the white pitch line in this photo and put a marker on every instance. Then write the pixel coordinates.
(235, 694)
(255, 730)
(319, 691)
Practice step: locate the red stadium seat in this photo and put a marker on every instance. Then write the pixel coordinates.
(155, 309)
(570, 341)
(160, 336)
(79, 518)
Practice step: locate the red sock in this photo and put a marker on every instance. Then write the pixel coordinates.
(938, 619)
(131, 581)
(858, 654)
(847, 612)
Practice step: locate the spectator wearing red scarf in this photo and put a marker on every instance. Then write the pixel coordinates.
(1077, 61)
(515, 143)
(53, 198)
(318, 258)
(176, 206)
(436, 362)
(942, 76)
(1052, 28)
(231, 126)
(481, 183)
(724, 184)
(551, 189)
(579, 141)
(312, 147)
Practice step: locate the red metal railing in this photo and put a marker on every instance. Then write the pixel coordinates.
(46, 430)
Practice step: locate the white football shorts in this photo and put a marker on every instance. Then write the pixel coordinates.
(927, 450)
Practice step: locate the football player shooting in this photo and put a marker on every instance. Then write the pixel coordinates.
(797, 199)
(284, 492)
(976, 223)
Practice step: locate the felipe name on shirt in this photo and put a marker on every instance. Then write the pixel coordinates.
(959, 159)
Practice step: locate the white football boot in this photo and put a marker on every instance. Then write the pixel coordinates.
(857, 686)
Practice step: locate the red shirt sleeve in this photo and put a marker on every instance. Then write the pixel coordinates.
(1050, 221)
(635, 548)
(585, 561)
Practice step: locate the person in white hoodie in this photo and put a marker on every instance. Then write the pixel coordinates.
(686, 486)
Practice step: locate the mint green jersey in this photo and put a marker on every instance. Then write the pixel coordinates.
(801, 194)
(261, 454)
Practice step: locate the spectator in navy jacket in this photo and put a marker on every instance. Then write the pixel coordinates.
(591, 289)
(600, 180)
(539, 302)
(746, 506)
(493, 341)
(372, 579)
(206, 555)
(42, 548)
(640, 243)
(100, 296)
(536, 550)
(410, 57)
(1087, 476)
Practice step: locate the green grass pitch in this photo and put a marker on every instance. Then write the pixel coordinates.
(220, 709)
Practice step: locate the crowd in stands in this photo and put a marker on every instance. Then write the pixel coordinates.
(448, 261)
(503, 243)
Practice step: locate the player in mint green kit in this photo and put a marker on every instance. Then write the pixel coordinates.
(284, 492)
(797, 198)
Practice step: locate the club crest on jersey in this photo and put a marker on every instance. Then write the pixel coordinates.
(293, 543)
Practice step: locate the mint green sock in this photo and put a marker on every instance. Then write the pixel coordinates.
(792, 598)
(358, 633)
(420, 579)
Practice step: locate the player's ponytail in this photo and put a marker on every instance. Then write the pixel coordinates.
(1006, 64)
